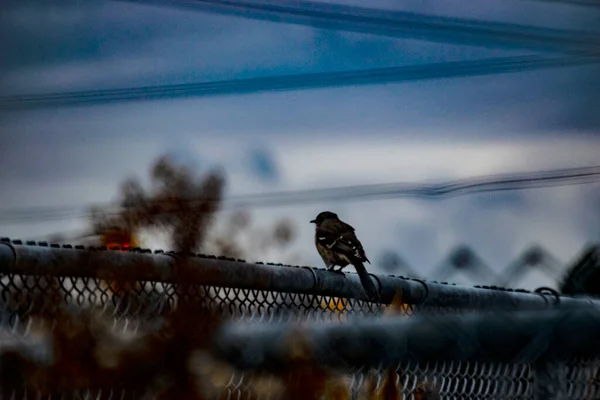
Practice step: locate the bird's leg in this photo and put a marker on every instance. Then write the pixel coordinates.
(339, 270)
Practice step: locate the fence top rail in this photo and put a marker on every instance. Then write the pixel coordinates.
(504, 337)
(142, 265)
(499, 338)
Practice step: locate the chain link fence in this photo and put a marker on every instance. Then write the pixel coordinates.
(465, 262)
(440, 341)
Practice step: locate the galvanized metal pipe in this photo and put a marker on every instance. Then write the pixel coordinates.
(7, 256)
(521, 337)
(33, 260)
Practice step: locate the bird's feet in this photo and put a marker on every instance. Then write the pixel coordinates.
(337, 271)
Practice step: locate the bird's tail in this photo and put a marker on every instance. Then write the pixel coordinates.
(366, 281)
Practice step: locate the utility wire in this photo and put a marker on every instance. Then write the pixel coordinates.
(454, 69)
(582, 3)
(485, 184)
(395, 23)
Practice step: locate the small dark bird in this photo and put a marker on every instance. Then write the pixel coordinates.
(338, 246)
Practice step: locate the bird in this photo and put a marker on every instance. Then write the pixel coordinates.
(338, 245)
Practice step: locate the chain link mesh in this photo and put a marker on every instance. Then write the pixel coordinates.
(134, 305)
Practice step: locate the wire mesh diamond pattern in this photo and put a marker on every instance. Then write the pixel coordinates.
(139, 304)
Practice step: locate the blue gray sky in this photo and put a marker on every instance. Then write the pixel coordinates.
(428, 130)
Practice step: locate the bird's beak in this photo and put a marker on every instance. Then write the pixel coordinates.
(314, 221)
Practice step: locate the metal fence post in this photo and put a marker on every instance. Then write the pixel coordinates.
(549, 379)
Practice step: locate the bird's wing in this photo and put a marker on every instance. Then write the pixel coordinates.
(340, 238)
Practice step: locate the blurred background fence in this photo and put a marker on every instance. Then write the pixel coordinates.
(426, 339)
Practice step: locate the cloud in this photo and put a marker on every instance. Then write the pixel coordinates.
(116, 44)
(498, 226)
(263, 165)
(150, 48)
(183, 151)
(381, 160)
(428, 130)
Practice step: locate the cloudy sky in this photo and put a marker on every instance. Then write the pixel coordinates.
(426, 130)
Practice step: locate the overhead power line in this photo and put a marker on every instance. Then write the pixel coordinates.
(395, 23)
(583, 3)
(485, 184)
(454, 69)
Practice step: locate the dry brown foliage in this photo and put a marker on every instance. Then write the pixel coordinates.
(426, 391)
(390, 387)
(307, 379)
(238, 238)
(87, 354)
(178, 201)
(173, 361)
